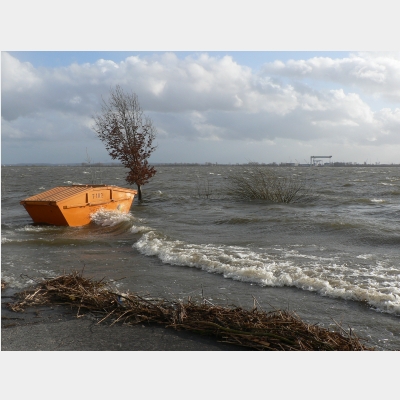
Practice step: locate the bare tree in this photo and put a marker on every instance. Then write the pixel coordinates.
(128, 135)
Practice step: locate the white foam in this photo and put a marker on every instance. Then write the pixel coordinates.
(37, 228)
(110, 217)
(365, 256)
(377, 201)
(295, 254)
(139, 229)
(16, 283)
(326, 276)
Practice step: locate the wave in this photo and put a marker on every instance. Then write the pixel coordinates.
(16, 283)
(105, 222)
(51, 241)
(104, 217)
(38, 228)
(238, 221)
(326, 276)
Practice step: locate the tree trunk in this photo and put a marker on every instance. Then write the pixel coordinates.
(139, 192)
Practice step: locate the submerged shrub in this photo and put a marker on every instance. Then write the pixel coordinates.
(204, 188)
(263, 183)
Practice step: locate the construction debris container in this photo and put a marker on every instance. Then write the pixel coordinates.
(73, 205)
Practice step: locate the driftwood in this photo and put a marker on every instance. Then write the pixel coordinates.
(255, 329)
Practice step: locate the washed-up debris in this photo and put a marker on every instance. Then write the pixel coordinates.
(255, 329)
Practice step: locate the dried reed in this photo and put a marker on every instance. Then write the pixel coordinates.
(263, 183)
(255, 329)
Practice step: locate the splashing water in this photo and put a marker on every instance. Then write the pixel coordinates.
(104, 217)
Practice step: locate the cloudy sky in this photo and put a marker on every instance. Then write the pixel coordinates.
(229, 106)
(225, 107)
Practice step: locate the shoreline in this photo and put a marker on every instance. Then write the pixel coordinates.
(57, 328)
(68, 313)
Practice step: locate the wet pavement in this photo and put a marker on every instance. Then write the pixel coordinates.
(57, 328)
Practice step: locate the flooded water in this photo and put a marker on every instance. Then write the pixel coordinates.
(334, 258)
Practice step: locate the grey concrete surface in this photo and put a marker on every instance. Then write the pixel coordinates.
(57, 328)
(86, 335)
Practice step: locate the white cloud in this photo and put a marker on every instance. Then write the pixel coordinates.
(208, 98)
(17, 76)
(373, 73)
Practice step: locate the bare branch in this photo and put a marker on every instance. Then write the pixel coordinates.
(127, 134)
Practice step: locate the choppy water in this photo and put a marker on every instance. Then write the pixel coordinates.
(336, 257)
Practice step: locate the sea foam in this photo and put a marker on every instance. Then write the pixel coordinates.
(110, 217)
(326, 276)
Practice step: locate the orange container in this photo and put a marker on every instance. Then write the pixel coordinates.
(72, 205)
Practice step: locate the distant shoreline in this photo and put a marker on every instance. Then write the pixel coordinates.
(85, 165)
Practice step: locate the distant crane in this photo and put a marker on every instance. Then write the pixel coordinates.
(313, 159)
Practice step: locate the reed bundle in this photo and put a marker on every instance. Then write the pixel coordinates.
(255, 329)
